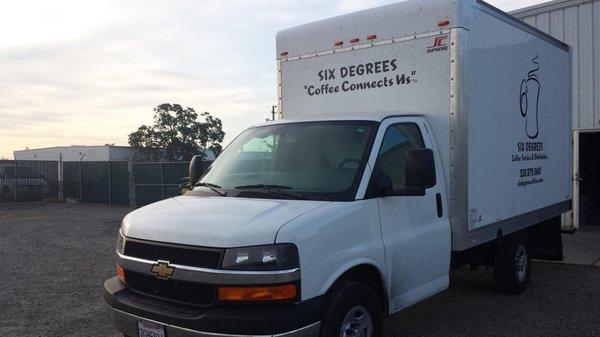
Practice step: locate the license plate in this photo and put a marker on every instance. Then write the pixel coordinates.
(147, 329)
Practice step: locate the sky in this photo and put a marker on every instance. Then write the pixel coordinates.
(79, 72)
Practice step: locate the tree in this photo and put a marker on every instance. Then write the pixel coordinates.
(177, 134)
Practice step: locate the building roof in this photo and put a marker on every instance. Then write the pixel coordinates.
(73, 146)
(547, 6)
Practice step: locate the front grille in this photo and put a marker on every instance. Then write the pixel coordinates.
(173, 290)
(186, 256)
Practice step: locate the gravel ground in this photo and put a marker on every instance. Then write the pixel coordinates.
(54, 258)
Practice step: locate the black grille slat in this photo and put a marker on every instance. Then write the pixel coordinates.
(194, 257)
(174, 290)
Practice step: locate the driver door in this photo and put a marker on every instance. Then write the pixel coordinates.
(415, 228)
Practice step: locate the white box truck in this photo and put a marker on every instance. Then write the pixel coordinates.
(413, 138)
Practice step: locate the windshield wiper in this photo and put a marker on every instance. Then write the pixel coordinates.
(214, 188)
(273, 189)
(264, 186)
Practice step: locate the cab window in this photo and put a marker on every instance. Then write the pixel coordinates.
(398, 140)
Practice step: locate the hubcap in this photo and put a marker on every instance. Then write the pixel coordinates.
(521, 263)
(357, 323)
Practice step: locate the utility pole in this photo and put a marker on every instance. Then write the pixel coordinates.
(272, 113)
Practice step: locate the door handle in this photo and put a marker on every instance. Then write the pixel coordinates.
(440, 208)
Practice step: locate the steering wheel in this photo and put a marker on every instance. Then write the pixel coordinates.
(349, 160)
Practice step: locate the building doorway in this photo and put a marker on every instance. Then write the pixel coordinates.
(589, 178)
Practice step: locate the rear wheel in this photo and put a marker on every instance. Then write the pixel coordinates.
(512, 265)
(353, 310)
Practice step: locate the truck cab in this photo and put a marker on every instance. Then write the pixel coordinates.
(290, 214)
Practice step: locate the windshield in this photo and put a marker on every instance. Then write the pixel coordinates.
(312, 160)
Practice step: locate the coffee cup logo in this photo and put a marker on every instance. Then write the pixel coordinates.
(530, 99)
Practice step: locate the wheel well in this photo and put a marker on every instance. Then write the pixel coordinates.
(369, 275)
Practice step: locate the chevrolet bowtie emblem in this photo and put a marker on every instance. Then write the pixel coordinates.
(162, 269)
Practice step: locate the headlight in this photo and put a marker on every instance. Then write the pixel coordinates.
(258, 258)
(120, 242)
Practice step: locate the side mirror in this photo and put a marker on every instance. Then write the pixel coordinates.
(420, 168)
(195, 170)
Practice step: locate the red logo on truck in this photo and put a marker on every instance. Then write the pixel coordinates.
(439, 44)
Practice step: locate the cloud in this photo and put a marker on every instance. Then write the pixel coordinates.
(78, 72)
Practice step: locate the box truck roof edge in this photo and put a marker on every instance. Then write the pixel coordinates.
(397, 20)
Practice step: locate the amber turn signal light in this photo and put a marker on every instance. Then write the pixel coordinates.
(273, 293)
(121, 273)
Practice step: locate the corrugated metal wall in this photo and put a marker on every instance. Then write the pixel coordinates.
(577, 23)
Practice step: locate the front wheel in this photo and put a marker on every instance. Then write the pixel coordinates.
(512, 265)
(353, 310)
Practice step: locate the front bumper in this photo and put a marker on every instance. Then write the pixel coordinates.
(293, 320)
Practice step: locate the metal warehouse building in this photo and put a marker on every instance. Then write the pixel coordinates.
(85, 153)
(577, 23)
(76, 153)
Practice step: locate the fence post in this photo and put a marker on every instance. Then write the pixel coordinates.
(162, 181)
(132, 202)
(109, 185)
(16, 182)
(80, 184)
(61, 193)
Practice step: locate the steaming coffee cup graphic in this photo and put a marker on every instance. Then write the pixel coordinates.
(530, 99)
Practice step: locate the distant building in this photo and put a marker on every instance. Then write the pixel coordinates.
(84, 153)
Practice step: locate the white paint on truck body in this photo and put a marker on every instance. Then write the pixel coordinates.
(504, 145)
(214, 221)
(577, 23)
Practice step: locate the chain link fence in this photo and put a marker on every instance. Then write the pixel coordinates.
(157, 181)
(114, 182)
(26, 180)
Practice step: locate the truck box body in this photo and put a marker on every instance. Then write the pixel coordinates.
(495, 90)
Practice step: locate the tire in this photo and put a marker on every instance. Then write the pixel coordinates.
(512, 266)
(353, 308)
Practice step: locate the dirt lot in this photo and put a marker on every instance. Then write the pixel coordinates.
(54, 258)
